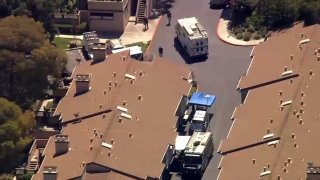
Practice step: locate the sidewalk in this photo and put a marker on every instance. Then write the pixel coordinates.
(224, 35)
(132, 34)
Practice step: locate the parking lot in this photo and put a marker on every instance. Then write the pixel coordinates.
(218, 74)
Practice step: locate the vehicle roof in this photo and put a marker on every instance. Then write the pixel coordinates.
(197, 142)
(193, 28)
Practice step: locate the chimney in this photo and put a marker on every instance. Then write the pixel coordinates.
(61, 144)
(82, 83)
(50, 173)
(98, 52)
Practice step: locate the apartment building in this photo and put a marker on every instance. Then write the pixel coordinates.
(117, 120)
(275, 130)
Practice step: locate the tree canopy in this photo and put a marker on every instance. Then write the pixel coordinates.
(40, 10)
(273, 14)
(27, 60)
(14, 134)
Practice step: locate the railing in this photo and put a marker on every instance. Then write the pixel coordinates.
(137, 11)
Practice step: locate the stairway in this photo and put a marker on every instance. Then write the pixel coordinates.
(33, 165)
(141, 11)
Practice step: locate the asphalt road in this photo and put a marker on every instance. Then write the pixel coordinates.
(217, 75)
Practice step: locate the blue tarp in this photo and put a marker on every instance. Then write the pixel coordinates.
(199, 98)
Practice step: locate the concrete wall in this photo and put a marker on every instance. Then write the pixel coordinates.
(106, 5)
(117, 23)
(108, 25)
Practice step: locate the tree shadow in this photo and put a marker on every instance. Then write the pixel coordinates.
(185, 56)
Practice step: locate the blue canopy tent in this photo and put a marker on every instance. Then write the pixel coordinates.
(202, 99)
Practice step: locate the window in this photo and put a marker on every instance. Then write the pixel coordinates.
(100, 15)
(201, 43)
(201, 49)
(197, 44)
(197, 49)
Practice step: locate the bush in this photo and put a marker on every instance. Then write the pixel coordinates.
(239, 36)
(256, 37)
(245, 25)
(251, 29)
(263, 32)
(238, 30)
(247, 36)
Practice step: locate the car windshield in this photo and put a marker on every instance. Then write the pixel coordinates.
(193, 159)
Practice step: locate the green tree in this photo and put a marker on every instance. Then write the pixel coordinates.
(27, 60)
(15, 126)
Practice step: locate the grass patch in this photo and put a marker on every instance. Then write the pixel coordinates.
(144, 46)
(62, 43)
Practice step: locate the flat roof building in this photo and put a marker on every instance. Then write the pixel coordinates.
(275, 131)
(122, 125)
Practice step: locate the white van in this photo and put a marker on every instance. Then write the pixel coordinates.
(192, 37)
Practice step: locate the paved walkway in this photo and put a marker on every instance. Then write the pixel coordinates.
(133, 33)
(224, 35)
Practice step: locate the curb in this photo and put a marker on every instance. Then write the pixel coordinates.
(156, 30)
(228, 42)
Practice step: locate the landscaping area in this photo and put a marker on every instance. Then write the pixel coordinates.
(144, 45)
(253, 19)
(247, 32)
(66, 43)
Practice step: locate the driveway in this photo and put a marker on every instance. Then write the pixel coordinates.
(217, 75)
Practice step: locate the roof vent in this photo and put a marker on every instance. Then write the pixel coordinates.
(123, 58)
(122, 109)
(267, 136)
(100, 106)
(253, 161)
(291, 57)
(140, 97)
(115, 84)
(280, 93)
(91, 140)
(106, 145)
(265, 173)
(273, 142)
(124, 103)
(130, 135)
(91, 147)
(104, 92)
(128, 76)
(114, 74)
(311, 72)
(304, 41)
(286, 103)
(286, 73)
(125, 115)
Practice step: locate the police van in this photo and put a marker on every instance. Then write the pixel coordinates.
(192, 36)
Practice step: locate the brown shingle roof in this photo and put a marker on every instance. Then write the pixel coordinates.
(276, 54)
(296, 125)
(152, 124)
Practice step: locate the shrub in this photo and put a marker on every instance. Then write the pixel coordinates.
(239, 36)
(245, 25)
(251, 29)
(238, 30)
(256, 36)
(247, 36)
(263, 32)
